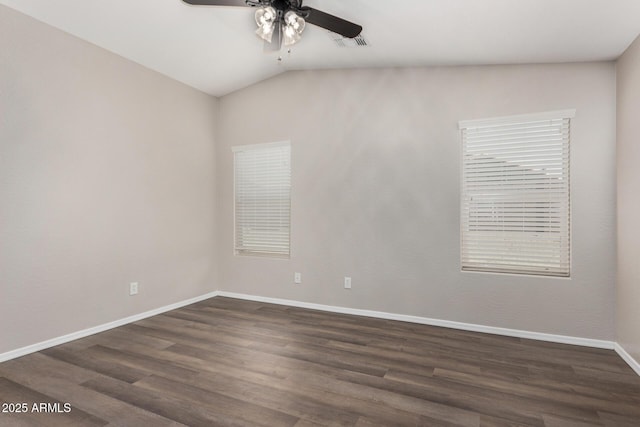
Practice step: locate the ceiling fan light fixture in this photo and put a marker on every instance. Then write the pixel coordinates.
(283, 21)
(265, 15)
(266, 20)
(266, 32)
(293, 26)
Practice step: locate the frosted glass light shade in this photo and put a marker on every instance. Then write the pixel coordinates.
(293, 27)
(266, 20)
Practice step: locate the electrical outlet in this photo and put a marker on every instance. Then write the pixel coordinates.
(347, 282)
(133, 288)
(297, 278)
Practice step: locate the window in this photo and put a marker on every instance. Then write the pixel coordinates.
(515, 206)
(262, 197)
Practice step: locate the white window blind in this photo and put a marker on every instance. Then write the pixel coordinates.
(515, 207)
(262, 193)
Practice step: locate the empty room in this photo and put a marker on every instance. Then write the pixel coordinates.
(320, 213)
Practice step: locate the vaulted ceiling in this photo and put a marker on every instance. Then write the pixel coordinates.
(214, 49)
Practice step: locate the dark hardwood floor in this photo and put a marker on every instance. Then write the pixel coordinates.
(236, 363)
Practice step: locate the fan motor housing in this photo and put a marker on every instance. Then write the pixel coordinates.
(285, 5)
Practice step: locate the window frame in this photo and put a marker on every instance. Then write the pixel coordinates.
(464, 219)
(256, 252)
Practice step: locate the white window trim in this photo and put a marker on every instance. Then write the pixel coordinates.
(532, 117)
(509, 120)
(248, 147)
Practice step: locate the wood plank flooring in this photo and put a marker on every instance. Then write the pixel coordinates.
(237, 363)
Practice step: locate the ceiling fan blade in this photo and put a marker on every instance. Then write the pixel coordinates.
(331, 23)
(217, 2)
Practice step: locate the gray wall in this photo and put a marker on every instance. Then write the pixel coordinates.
(375, 158)
(108, 175)
(628, 288)
(106, 172)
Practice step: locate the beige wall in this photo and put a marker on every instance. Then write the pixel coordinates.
(628, 288)
(375, 157)
(106, 172)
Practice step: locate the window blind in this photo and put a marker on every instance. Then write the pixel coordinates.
(262, 198)
(515, 207)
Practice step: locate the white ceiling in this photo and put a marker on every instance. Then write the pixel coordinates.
(214, 49)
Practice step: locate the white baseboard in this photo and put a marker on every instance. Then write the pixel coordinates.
(562, 339)
(627, 358)
(100, 328)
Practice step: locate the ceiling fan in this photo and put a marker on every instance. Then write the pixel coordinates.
(283, 21)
